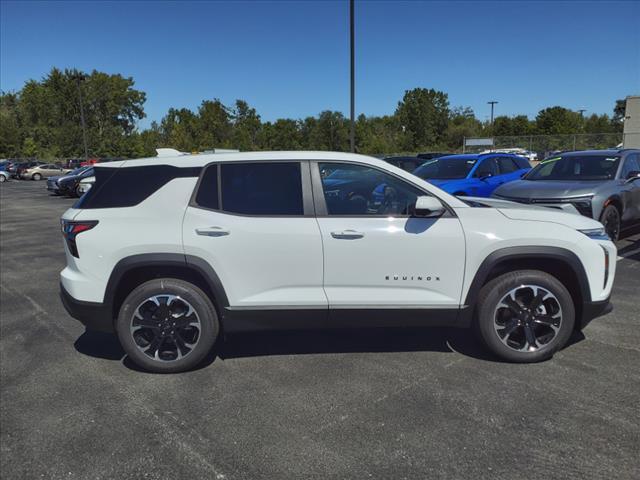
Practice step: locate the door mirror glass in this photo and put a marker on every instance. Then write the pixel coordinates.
(428, 207)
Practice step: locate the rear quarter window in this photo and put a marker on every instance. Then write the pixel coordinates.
(129, 186)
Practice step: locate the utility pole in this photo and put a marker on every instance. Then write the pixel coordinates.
(79, 78)
(581, 111)
(352, 133)
(492, 103)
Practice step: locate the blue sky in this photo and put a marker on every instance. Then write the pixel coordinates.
(291, 59)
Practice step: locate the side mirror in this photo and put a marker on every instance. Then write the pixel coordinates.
(633, 175)
(428, 207)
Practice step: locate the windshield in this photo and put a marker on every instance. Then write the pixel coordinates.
(445, 168)
(576, 167)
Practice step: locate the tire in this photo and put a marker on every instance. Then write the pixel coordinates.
(36, 176)
(494, 319)
(610, 218)
(77, 192)
(171, 296)
(2, 179)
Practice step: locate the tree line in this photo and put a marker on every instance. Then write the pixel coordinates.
(43, 120)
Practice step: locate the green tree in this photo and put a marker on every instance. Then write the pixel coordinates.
(558, 120)
(246, 125)
(424, 114)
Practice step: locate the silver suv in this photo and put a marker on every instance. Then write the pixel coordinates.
(601, 184)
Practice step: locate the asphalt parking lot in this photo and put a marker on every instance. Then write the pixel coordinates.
(383, 404)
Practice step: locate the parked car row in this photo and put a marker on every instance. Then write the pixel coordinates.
(600, 184)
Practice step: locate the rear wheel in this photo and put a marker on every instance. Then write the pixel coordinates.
(610, 219)
(77, 191)
(525, 316)
(36, 176)
(2, 179)
(167, 325)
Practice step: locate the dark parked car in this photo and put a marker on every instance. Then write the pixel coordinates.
(601, 184)
(19, 168)
(429, 155)
(68, 185)
(53, 183)
(406, 163)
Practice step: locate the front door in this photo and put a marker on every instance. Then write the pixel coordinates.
(375, 253)
(253, 223)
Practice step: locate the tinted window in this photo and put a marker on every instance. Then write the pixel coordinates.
(487, 167)
(128, 186)
(262, 188)
(631, 164)
(576, 167)
(207, 195)
(360, 190)
(506, 165)
(522, 162)
(445, 168)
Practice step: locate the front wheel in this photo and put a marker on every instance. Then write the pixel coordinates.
(610, 219)
(167, 325)
(525, 316)
(2, 179)
(36, 176)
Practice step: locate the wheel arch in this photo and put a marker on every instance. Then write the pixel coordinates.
(137, 269)
(614, 200)
(559, 262)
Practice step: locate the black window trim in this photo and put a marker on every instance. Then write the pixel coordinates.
(321, 205)
(305, 178)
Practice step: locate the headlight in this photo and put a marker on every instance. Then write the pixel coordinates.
(596, 233)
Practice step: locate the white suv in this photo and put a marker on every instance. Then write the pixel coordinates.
(170, 252)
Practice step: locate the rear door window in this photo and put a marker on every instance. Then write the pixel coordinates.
(506, 165)
(267, 188)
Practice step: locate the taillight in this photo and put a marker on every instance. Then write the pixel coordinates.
(70, 230)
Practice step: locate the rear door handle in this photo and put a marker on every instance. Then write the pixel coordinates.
(347, 234)
(213, 231)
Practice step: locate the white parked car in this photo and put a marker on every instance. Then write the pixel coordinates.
(531, 156)
(4, 176)
(169, 252)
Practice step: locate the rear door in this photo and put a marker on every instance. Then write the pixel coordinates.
(253, 223)
(508, 169)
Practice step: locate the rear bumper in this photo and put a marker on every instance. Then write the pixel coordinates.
(94, 316)
(591, 310)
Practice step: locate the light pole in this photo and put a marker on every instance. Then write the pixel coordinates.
(352, 133)
(492, 103)
(79, 77)
(581, 111)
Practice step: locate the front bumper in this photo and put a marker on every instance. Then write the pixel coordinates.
(591, 310)
(94, 316)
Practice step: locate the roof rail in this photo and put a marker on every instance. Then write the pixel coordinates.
(169, 152)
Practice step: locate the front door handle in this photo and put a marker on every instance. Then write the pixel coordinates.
(213, 231)
(347, 235)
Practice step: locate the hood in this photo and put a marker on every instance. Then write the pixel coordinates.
(540, 189)
(519, 211)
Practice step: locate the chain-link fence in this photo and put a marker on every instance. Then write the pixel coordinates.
(544, 145)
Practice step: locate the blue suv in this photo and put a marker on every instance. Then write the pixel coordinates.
(474, 175)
